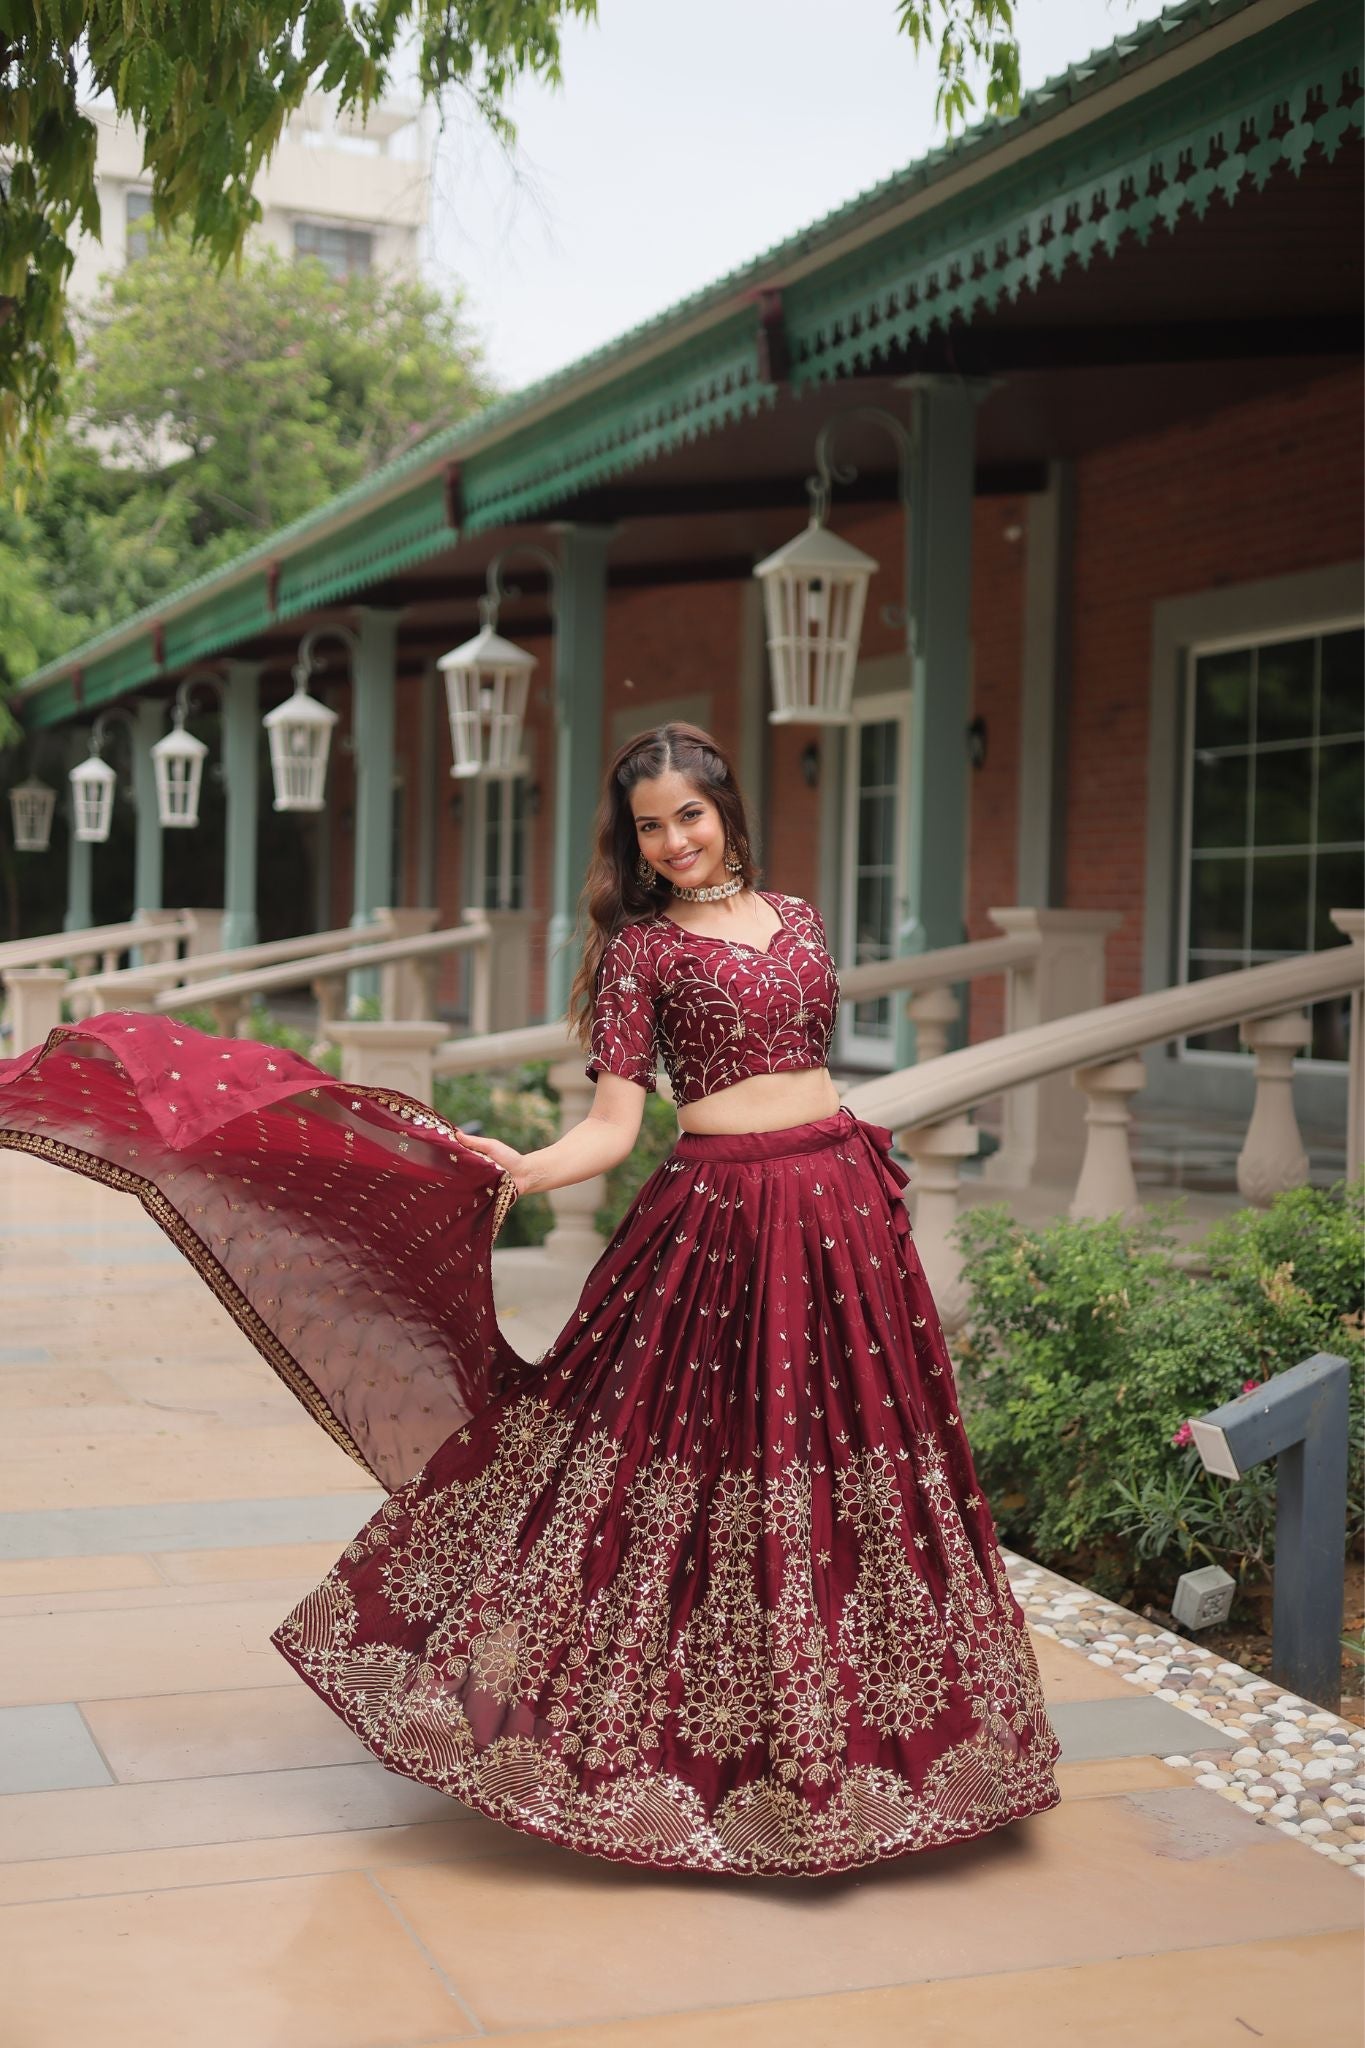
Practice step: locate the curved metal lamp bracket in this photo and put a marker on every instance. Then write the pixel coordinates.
(496, 591)
(828, 472)
(201, 678)
(305, 664)
(113, 714)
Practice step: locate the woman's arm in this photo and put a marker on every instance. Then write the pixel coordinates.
(605, 1137)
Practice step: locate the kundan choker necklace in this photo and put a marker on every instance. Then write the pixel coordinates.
(715, 894)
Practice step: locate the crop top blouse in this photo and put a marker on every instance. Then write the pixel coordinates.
(714, 1010)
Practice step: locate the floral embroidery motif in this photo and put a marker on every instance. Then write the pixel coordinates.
(714, 1011)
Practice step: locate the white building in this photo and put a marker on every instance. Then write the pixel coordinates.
(355, 196)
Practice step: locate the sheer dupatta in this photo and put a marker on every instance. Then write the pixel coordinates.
(347, 1231)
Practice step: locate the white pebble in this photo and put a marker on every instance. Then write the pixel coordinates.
(1263, 1793)
(1210, 1781)
(1286, 1808)
(1324, 1748)
(1323, 1720)
(1247, 1756)
(1288, 1827)
(1291, 1780)
(1246, 1777)
(1286, 1732)
(1177, 1763)
(1316, 1827)
(1099, 1657)
(1167, 1692)
(1316, 1773)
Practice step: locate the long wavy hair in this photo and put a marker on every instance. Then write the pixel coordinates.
(613, 894)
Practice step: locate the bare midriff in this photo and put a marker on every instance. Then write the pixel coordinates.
(763, 1102)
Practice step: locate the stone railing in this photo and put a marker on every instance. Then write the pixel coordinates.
(405, 967)
(929, 1105)
(128, 987)
(33, 969)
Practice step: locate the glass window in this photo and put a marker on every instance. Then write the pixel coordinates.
(1276, 809)
(137, 224)
(341, 251)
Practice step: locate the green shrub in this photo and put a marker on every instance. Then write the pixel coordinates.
(520, 1108)
(658, 1133)
(1089, 1350)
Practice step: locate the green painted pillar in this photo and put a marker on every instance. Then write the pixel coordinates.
(241, 729)
(79, 895)
(938, 584)
(374, 678)
(149, 722)
(580, 642)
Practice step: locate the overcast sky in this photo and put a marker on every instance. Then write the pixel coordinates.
(690, 135)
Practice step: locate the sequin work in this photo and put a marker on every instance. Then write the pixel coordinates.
(715, 1011)
(713, 1588)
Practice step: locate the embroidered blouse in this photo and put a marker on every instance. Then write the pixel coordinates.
(714, 1010)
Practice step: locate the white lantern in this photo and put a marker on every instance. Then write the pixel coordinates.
(31, 806)
(92, 798)
(178, 764)
(300, 732)
(486, 686)
(814, 591)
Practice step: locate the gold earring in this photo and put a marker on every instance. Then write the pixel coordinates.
(734, 865)
(644, 873)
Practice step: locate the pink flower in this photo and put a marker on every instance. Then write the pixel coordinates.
(1250, 1386)
(1184, 1435)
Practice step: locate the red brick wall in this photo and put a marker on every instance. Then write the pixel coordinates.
(1263, 489)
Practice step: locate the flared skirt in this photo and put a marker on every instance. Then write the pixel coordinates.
(711, 1585)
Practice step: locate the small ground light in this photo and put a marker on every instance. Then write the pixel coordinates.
(1203, 1598)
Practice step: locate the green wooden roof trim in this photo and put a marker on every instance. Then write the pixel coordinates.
(1230, 120)
(691, 392)
(405, 531)
(223, 617)
(510, 469)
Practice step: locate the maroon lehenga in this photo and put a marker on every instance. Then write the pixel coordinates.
(711, 1585)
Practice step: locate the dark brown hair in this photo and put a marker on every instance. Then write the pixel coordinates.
(613, 894)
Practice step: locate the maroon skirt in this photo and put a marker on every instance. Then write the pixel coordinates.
(711, 1586)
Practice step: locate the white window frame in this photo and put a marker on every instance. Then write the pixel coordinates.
(1310, 628)
(884, 708)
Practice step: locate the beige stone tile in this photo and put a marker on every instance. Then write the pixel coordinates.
(1095, 1879)
(1287, 1994)
(315, 1962)
(218, 1464)
(67, 1389)
(1101, 1776)
(214, 1734)
(22, 1576)
(280, 1594)
(1069, 1675)
(111, 1820)
(146, 1870)
(306, 1561)
(126, 1655)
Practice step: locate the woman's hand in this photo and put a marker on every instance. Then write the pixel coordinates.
(521, 1165)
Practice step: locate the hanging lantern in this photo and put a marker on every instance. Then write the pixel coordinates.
(814, 591)
(31, 806)
(92, 798)
(486, 687)
(178, 764)
(300, 732)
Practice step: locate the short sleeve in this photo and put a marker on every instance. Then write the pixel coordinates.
(624, 1025)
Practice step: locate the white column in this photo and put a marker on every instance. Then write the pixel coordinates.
(938, 1151)
(241, 728)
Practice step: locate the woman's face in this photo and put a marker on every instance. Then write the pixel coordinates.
(679, 831)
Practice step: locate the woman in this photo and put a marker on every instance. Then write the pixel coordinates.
(710, 1586)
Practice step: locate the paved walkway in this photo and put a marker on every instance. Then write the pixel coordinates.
(196, 1855)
